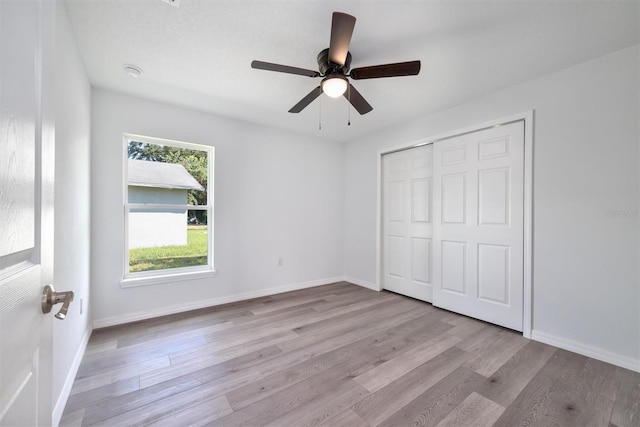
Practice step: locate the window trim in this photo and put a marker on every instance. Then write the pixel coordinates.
(152, 277)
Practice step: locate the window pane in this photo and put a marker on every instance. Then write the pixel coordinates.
(166, 174)
(167, 205)
(167, 238)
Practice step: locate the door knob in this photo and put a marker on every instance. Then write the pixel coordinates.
(50, 298)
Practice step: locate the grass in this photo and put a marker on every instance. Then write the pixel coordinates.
(164, 257)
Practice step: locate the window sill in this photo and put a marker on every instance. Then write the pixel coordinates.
(133, 282)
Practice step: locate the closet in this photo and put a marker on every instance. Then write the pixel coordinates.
(453, 223)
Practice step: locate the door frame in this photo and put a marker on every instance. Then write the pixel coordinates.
(527, 117)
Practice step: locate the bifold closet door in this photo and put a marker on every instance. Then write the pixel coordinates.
(406, 222)
(478, 233)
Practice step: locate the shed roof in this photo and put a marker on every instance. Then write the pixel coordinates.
(144, 173)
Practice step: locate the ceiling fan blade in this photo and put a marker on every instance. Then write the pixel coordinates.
(260, 65)
(306, 100)
(359, 103)
(411, 68)
(341, 31)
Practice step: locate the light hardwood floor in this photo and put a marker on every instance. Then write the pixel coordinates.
(339, 355)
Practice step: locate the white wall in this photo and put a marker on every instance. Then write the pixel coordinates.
(586, 292)
(276, 195)
(159, 227)
(72, 207)
(166, 227)
(170, 196)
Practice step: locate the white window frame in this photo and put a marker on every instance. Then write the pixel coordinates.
(151, 277)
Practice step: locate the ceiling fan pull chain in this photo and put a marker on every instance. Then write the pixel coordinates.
(320, 113)
(349, 106)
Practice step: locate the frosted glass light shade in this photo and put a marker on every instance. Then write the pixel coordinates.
(334, 86)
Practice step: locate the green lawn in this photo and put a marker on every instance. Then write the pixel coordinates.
(194, 253)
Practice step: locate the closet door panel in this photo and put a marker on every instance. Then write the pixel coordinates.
(478, 232)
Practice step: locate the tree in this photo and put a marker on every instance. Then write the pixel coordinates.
(194, 161)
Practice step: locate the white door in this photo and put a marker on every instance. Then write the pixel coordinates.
(478, 236)
(26, 210)
(406, 222)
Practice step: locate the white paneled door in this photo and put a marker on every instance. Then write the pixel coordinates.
(26, 210)
(478, 234)
(453, 224)
(406, 222)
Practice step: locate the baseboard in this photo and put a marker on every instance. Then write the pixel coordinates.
(58, 409)
(586, 350)
(362, 283)
(163, 311)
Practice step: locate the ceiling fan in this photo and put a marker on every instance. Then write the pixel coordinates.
(333, 66)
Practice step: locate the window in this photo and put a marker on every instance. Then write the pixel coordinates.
(168, 209)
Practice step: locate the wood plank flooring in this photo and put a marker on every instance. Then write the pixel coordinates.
(339, 355)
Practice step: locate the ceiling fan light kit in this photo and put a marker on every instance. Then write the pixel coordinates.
(334, 86)
(334, 64)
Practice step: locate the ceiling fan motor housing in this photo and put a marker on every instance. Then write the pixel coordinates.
(327, 67)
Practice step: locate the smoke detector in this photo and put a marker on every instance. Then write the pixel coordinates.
(175, 3)
(132, 70)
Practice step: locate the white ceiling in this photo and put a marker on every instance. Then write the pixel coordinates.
(199, 54)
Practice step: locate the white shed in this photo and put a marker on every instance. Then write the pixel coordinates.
(158, 183)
